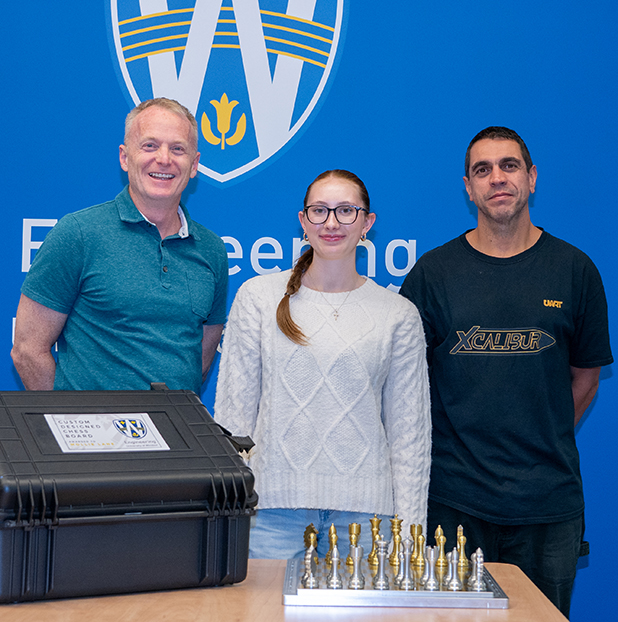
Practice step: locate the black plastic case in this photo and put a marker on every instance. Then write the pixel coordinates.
(104, 523)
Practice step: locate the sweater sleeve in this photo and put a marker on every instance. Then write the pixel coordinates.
(407, 419)
(240, 372)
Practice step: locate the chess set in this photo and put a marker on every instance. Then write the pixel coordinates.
(410, 575)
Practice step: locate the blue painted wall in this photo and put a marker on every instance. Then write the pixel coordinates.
(412, 83)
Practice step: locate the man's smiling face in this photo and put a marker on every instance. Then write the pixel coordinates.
(160, 157)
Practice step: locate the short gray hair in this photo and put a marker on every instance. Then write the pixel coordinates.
(168, 104)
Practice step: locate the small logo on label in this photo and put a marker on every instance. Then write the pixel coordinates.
(133, 428)
(553, 303)
(515, 341)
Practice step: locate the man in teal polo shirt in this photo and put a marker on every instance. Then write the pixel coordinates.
(132, 290)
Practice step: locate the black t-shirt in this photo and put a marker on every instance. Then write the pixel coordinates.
(502, 334)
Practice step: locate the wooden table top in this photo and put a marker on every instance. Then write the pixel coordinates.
(259, 599)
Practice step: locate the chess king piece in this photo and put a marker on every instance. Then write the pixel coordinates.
(334, 581)
(354, 530)
(407, 582)
(332, 538)
(380, 581)
(357, 580)
(461, 550)
(372, 558)
(441, 562)
(396, 531)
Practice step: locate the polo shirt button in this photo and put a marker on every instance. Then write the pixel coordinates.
(164, 268)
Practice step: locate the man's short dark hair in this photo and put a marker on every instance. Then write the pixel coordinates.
(499, 133)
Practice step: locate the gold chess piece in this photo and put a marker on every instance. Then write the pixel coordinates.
(462, 564)
(415, 532)
(419, 560)
(332, 538)
(441, 562)
(393, 558)
(372, 558)
(354, 530)
(308, 531)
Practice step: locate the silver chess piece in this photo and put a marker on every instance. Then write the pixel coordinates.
(334, 581)
(472, 577)
(309, 579)
(357, 580)
(449, 572)
(380, 581)
(423, 556)
(432, 584)
(399, 575)
(454, 583)
(407, 582)
(479, 584)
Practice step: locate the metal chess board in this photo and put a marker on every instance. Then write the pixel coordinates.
(295, 594)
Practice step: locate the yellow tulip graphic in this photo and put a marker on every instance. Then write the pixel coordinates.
(224, 109)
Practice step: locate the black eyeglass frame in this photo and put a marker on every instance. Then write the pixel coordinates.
(334, 209)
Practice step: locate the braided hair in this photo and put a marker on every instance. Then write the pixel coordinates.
(284, 319)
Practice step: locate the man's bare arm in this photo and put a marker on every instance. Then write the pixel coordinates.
(36, 330)
(584, 383)
(210, 341)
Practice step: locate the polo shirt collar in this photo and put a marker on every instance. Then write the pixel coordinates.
(129, 213)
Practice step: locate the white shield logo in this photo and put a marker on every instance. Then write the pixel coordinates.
(250, 73)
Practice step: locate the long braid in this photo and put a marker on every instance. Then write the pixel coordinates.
(284, 319)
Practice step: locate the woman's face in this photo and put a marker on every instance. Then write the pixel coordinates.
(332, 240)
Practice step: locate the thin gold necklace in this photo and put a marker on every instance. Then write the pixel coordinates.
(328, 302)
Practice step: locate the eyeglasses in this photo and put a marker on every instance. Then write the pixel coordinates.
(345, 214)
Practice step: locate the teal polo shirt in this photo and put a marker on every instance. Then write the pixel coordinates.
(136, 304)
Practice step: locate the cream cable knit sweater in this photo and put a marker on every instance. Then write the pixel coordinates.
(342, 423)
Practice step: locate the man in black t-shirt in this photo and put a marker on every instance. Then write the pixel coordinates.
(516, 327)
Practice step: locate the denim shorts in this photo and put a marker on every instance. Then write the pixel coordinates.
(278, 533)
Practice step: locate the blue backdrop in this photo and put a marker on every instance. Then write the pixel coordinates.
(393, 92)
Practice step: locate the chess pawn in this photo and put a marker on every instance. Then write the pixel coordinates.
(357, 580)
(332, 538)
(431, 584)
(461, 550)
(454, 584)
(396, 531)
(399, 568)
(406, 582)
(334, 581)
(441, 544)
(372, 558)
(472, 577)
(380, 581)
(449, 573)
(354, 530)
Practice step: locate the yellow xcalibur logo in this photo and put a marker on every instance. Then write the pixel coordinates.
(224, 117)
